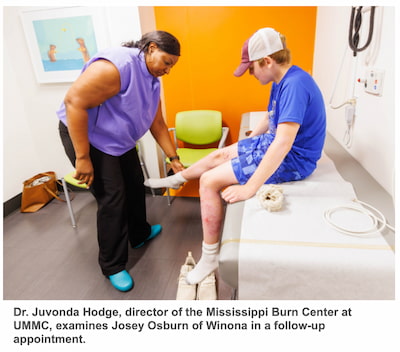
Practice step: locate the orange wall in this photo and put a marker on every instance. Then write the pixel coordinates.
(211, 39)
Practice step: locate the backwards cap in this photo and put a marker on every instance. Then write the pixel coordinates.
(264, 42)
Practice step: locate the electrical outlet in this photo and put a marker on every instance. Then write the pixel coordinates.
(374, 81)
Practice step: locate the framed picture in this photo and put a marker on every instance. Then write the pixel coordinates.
(62, 39)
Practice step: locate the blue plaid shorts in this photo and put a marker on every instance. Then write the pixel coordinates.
(250, 153)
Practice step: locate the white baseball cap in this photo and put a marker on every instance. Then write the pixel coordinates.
(264, 42)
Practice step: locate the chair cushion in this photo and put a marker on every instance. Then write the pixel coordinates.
(189, 156)
(74, 182)
(198, 127)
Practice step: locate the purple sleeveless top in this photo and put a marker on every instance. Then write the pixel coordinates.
(116, 125)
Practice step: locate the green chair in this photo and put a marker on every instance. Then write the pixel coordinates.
(72, 181)
(199, 128)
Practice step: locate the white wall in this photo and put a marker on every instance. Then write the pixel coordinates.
(373, 142)
(31, 140)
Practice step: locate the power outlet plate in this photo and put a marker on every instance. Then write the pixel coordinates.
(374, 81)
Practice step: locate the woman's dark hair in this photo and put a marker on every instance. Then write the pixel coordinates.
(164, 40)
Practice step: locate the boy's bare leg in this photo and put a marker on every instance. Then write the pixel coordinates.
(211, 161)
(211, 184)
(196, 170)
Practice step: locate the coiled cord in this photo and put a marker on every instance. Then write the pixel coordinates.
(378, 221)
(355, 24)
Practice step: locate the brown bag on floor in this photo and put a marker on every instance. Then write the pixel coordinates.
(38, 191)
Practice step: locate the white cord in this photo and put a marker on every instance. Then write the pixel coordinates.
(354, 69)
(336, 83)
(350, 117)
(348, 136)
(378, 222)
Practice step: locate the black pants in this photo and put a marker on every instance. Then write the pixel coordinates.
(120, 195)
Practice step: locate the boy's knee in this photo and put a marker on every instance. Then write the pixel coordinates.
(209, 181)
(205, 179)
(222, 154)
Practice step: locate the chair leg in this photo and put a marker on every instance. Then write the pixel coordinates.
(168, 197)
(66, 193)
(234, 294)
(146, 173)
(165, 175)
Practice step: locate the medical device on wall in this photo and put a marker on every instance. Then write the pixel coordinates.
(355, 27)
(371, 80)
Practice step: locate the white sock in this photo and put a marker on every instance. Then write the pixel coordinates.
(174, 181)
(206, 265)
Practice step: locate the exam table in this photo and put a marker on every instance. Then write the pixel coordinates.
(294, 254)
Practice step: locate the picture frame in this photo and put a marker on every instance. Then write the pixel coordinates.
(61, 39)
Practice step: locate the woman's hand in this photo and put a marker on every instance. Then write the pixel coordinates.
(237, 193)
(84, 171)
(177, 165)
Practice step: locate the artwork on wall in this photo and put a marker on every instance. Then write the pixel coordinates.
(62, 39)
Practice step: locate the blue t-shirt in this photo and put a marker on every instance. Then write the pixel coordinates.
(116, 125)
(297, 98)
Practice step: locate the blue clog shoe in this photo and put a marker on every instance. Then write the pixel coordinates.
(122, 281)
(155, 230)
